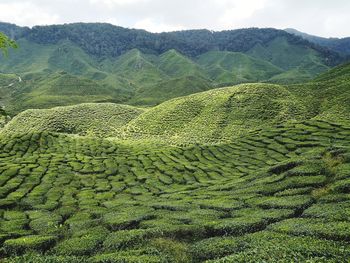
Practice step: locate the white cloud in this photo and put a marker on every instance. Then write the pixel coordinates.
(155, 27)
(112, 3)
(320, 17)
(236, 12)
(26, 14)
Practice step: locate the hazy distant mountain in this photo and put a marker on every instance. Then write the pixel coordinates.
(341, 45)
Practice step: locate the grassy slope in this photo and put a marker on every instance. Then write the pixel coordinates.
(207, 117)
(222, 114)
(169, 89)
(177, 65)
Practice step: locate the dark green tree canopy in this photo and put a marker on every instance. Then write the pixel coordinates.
(105, 40)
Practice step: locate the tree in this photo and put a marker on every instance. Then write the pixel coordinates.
(6, 43)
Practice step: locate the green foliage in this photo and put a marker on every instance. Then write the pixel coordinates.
(86, 199)
(6, 43)
(22, 244)
(80, 246)
(341, 45)
(216, 247)
(271, 247)
(336, 230)
(216, 115)
(103, 40)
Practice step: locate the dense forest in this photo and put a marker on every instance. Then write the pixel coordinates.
(105, 40)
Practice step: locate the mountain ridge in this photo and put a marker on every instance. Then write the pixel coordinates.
(200, 41)
(341, 45)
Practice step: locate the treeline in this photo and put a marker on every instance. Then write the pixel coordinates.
(106, 40)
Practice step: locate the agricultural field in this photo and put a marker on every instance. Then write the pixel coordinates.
(274, 195)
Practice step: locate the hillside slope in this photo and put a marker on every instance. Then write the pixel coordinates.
(216, 115)
(82, 119)
(221, 114)
(328, 95)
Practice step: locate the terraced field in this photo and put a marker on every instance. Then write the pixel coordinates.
(280, 194)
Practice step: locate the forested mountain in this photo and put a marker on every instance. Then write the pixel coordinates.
(341, 45)
(103, 40)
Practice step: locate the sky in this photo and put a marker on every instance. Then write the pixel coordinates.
(318, 17)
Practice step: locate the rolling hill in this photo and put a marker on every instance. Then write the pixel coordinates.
(137, 67)
(209, 116)
(216, 115)
(93, 119)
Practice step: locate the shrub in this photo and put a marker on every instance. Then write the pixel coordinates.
(337, 230)
(215, 248)
(22, 244)
(79, 246)
(127, 217)
(128, 238)
(339, 211)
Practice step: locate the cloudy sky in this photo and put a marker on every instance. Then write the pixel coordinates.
(320, 17)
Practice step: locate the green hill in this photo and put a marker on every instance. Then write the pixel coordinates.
(177, 65)
(230, 67)
(222, 114)
(217, 115)
(137, 68)
(169, 89)
(254, 172)
(212, 116)
(327, 96)
(248, 173)
(83, 119)
(141, 68)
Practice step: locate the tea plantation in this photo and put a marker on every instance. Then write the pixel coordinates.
(278, 194)
(216, 116)
(87, 119)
